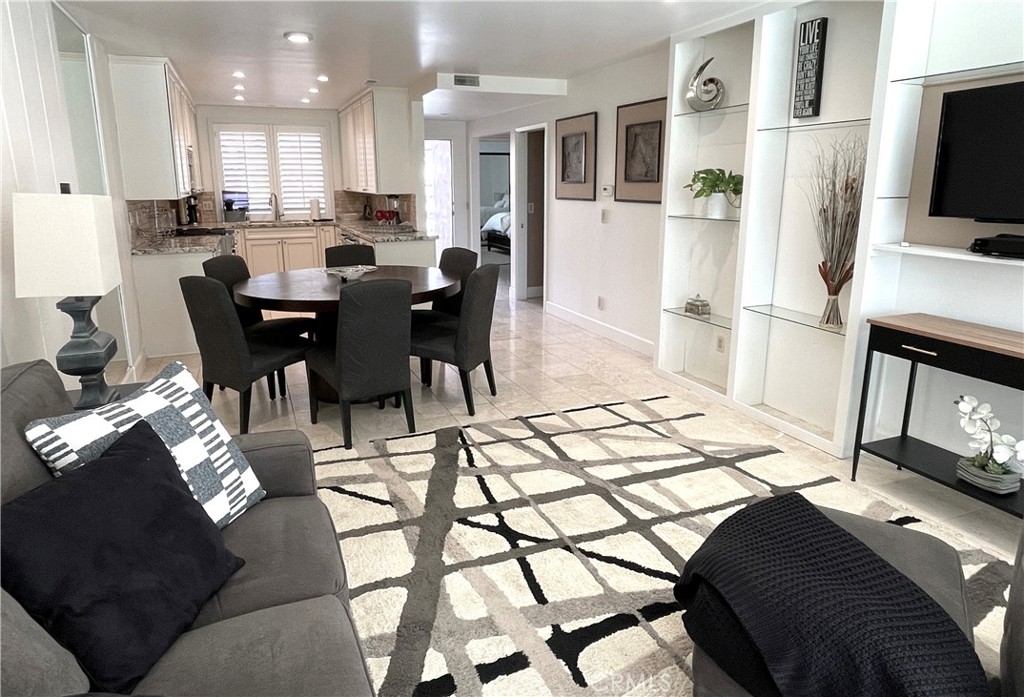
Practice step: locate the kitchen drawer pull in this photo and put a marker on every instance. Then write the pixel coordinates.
(919, 350)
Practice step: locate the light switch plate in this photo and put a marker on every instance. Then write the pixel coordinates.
(529, 208)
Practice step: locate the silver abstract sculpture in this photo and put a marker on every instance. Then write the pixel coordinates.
(704, 95)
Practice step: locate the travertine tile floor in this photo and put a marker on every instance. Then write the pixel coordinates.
(543, 363)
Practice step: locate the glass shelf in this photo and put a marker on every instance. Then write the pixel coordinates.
(795, 317)
(820, 124)
(963, 75)
(715, 320)
(702, 217)
(732, 109)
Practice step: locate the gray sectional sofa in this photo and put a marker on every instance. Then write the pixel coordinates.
(279, 626)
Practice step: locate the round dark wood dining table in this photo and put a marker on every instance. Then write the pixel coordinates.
(312, 290)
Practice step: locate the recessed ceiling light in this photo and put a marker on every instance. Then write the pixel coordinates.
(239, 88)
(238, 73)
(304, 100)
(322, 78)
(298, 37)
(239, 98)
(369, 82)
(313, 90)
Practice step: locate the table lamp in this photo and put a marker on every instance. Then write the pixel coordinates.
(65, 244)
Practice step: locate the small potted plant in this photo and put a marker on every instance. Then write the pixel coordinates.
(998, 464)
(719, 188)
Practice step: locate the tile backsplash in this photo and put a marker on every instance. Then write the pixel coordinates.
(149, 217)
(350, 203)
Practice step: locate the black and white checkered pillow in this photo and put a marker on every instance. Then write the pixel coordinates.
(217, 473)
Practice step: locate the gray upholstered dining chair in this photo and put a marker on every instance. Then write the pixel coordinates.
(229, 357)
(230, 269)
(350, 255)
(464, 342)
(371, 356)
(456, 261)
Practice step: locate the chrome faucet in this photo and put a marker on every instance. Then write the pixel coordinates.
(275, 208)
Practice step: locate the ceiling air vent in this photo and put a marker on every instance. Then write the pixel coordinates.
(467, 80)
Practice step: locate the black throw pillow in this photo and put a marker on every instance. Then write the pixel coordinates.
(114, 559)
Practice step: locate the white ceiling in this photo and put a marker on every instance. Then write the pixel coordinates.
(395, 43)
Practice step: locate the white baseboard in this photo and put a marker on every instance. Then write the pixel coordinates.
(632, 341)
(535, 292)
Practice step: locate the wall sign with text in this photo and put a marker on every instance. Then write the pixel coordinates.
(810, 67)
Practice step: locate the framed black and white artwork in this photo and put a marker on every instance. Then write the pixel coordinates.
(576, 157)
(639, 151)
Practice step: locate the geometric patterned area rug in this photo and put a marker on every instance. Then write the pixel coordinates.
(537, 555)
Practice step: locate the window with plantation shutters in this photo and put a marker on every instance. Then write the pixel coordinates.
(246, 167)
(301, 164)
(264, 160)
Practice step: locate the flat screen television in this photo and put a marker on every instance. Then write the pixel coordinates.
(979, 162)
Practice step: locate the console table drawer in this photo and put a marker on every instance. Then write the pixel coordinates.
(922, 349)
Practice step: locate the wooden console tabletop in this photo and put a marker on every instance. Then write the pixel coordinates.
(979, 336)
(965, 348)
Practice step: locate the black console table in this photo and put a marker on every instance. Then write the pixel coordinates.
(988, 353)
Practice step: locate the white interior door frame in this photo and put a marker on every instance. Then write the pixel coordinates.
(519, 164)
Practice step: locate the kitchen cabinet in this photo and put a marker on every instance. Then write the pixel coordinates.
(156, 128)
(166, 327)
(376, 143)
(272, 250)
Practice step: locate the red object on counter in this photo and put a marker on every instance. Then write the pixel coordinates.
(378, 215)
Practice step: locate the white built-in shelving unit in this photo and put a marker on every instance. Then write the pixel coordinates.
(762, 350)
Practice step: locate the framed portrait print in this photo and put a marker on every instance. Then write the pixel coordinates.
(639, 151)
(576, 157)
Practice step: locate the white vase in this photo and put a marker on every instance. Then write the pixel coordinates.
(718, 206)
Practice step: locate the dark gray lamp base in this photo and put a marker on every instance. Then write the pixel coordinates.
(87, 353)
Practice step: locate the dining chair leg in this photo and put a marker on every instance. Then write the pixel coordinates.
(489, 370)
(270, 386)
(467, 391)
(380, 401)
(346, 424)
(410, 418)
(244, 402)
(314, 403)
(398, 399)
(221, 388)
(425, 376)
(282, 384)
(208, 390)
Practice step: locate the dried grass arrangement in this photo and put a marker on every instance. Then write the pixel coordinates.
(836, 190)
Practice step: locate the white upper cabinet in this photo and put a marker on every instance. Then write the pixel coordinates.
(376, 143)
(156, 128)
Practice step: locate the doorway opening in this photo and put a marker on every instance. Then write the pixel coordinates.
(439, 192)
(529, 187)
(495, 193)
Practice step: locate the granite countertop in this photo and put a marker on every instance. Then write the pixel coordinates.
(183, 245)
(372, 232)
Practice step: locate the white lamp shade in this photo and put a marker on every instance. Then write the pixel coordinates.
(64, 244)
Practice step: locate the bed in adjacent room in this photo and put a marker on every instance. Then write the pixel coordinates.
(495, 222)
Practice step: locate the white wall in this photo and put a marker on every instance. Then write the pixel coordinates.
(37, 156)
(585, 258)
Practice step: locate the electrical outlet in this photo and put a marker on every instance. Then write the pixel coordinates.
(600, 303)
(207, 205)
(720, 344)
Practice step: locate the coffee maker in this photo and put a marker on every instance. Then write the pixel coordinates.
(192, 209)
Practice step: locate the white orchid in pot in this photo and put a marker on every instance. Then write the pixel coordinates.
(997, 453)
